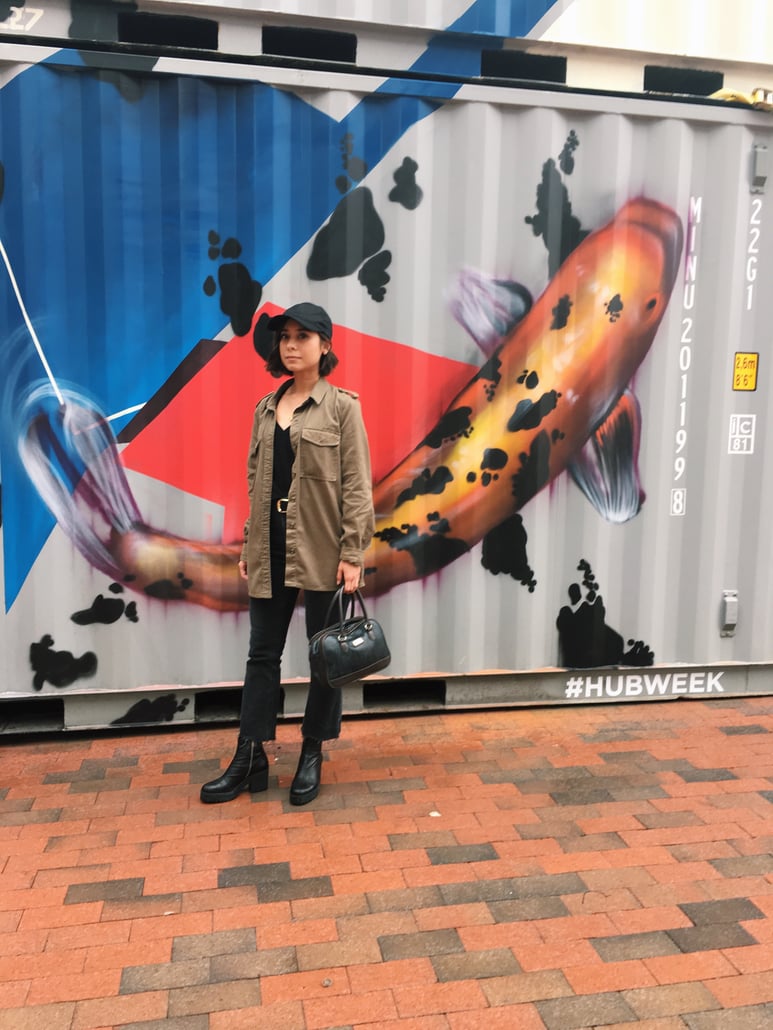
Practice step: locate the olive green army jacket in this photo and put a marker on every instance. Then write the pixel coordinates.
(330, 502)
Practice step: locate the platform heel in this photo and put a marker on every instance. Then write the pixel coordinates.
(248, 770)
(305, 785)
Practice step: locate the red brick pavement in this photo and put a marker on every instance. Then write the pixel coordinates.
(552, 868)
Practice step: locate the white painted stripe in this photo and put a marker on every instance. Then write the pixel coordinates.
(126, 411)
(29, 325)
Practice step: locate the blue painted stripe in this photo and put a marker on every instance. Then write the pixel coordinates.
(506, 18)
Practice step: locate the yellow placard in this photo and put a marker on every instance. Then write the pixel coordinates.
(745, 371)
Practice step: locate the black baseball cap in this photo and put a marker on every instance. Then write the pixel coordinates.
(310, 316)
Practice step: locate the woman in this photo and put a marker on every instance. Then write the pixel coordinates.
(310, 522)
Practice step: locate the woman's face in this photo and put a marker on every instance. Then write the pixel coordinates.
(300, 349)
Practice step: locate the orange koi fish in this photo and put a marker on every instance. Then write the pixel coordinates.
(552, 385)
(551, 396)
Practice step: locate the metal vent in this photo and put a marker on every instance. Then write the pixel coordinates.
(692, 81)
(514, 64)
(311, 44)
(170, 30)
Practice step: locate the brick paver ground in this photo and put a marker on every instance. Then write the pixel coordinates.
(552, 868)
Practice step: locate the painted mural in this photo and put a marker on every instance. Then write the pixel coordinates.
(498, 348)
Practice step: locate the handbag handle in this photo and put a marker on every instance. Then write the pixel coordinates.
(343, 607)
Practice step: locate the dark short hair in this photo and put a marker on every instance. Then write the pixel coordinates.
(276, 367)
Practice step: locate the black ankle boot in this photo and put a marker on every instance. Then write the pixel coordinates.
(248, 771)
(305, 785)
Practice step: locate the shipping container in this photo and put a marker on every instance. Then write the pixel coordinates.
(553, 302)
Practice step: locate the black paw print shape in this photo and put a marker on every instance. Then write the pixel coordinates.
(239, 293)
(106, 610)
(355, 169)
(406, 190)
(566, 157)
(354, 236)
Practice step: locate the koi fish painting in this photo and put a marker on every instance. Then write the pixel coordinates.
(552, 397)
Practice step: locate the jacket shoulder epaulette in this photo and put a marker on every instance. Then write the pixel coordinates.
(348, 393)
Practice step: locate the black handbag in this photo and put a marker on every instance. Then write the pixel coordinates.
(353, 647)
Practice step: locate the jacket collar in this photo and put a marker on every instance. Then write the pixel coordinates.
(321, 388)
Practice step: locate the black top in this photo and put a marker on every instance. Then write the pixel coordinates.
(283, 462)
(280, 487)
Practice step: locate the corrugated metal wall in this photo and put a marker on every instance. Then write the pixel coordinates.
(121, 190)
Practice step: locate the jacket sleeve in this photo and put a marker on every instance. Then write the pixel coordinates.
(357, 522)
(252, 468)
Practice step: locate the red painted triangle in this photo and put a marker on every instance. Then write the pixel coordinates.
(199, 442)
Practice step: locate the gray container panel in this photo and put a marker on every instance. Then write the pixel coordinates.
(482, 159)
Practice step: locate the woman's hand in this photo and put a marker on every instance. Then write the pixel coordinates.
(243, 569)
(349, 575)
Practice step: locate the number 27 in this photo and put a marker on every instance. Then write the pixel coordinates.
(21, 19)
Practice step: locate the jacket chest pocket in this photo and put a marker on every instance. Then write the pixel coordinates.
(319, 454)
